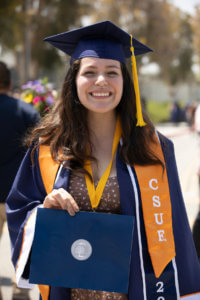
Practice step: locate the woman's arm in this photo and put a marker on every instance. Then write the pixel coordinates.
(27, 193)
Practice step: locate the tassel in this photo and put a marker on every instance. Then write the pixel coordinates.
(140, 120)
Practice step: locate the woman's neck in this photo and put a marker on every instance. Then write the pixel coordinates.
(101, 127)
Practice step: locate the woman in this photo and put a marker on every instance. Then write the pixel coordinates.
(99, 105)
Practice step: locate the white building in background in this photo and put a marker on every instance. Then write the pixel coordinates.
(155, 89)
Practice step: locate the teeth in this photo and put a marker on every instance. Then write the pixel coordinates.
(100, 94)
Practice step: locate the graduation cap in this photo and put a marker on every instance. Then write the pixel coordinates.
(103, 40)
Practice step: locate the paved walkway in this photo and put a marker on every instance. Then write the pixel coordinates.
(170, 130)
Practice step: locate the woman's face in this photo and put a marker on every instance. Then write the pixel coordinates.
(99, 84)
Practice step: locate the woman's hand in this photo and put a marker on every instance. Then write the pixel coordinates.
(61, 199)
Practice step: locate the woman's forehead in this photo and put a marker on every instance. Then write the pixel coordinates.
(94, 62)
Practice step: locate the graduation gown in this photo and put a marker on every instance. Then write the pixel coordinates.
(181, 277)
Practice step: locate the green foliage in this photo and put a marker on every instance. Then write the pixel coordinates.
(30, 21)
(158, 112)
(11, 19)
(182, 70)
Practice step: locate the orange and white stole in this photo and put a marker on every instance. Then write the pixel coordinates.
(157, 214)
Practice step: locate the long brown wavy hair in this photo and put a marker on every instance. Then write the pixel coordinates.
(65, 127)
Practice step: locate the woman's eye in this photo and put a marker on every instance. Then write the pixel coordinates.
(88, 73)
(112, 73)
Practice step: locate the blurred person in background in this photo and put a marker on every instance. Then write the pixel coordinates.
(16, 117)
(197, 119)
(176, 114)
(190, 109)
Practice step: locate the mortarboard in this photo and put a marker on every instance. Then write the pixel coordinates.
(87, 251)
(103, 40)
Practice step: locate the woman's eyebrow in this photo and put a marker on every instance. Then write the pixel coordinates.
(113, 66)
(109, 66)
(89, 67)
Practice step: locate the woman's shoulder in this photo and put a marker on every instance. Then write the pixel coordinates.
(167, 146)
(164, 140)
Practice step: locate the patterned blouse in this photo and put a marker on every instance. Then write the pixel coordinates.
(110, 202)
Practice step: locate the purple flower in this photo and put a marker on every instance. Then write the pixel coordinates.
(29, 85)
(49, 86)
(50, 100)
(40, 89)
(36, 82)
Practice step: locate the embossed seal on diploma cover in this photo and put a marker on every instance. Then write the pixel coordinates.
(81, 249)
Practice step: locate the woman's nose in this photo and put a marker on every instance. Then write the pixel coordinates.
(101, 80)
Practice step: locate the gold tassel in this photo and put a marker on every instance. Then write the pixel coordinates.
(140, 120)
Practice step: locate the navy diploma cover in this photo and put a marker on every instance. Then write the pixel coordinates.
(87, 251)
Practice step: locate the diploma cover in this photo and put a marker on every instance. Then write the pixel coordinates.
(88, 251)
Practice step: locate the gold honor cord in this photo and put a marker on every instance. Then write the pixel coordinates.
(95, 194)
(140, 121)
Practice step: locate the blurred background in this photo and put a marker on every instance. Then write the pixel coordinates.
(169, 75)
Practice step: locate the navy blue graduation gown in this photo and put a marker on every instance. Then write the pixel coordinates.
(28, 193)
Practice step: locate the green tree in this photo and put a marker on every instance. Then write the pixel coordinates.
(196, 40)
(11, 21)
(24, 24)
(182, 69)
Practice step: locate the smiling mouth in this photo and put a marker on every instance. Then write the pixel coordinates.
(102, 94)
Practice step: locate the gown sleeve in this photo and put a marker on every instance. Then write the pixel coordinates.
(26, 195)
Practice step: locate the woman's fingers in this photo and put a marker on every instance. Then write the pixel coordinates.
(67, 199)
(61, 199)
(50, 202)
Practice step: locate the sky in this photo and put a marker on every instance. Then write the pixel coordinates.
(186, 5)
